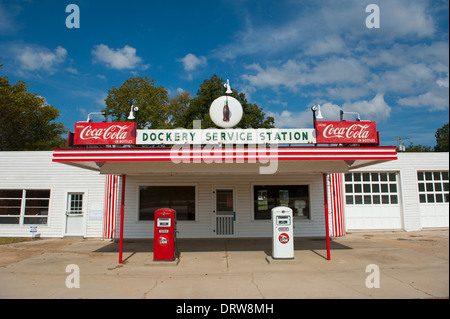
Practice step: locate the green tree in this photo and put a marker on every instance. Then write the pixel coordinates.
(176, 108)
(27, 122)
(212, 88)
(418, 148)
(141, 92)
(442, 139)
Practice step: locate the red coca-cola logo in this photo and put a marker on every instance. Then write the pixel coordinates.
(354, 131)
(114, 132)
(346, 132)
(104, 133)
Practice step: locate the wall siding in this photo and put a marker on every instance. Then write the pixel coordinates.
(407, 166)
(202, 227)
(35, 170)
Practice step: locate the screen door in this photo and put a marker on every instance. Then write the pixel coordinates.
(224, 212)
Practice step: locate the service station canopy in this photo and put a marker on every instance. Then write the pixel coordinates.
(120, 148)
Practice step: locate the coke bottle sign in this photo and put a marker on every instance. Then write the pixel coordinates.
(332, 132)
(104, 133)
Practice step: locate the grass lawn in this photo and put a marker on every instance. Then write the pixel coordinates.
(11, 240)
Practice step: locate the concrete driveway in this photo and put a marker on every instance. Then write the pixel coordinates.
(362, 265)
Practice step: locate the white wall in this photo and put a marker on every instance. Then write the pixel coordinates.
(414, 215)
(35, 170)
(203, 225)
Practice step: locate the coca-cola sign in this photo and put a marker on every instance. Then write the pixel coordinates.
(361, 132)
(105, 133)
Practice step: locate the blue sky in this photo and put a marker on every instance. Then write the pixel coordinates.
(284, 55)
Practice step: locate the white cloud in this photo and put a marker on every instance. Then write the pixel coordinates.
(124, 58)
(433, 100)
(294, 74)
(330, 44)
(32, 59)
(191, 62)
(375, 110)
(288, 119)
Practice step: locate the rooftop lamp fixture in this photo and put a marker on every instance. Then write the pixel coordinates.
(358, 118)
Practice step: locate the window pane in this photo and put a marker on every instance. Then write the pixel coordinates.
(376, 199)
(445, 176)
(9, 210)
(383, 177)
(430, 198)
(358, 199)
(37, 193)
(446, 187)
(374, 177)
(348, 188)
(366, 188)
(366, 177)
(358, 188)
(438, 187)
(439, 198)
(367, 199)
(36, 211)
(437, 176)
(375, 188)
(267, 197)
(10, 193)
(224, 200)
(384, 188)
(422, 198)
(421, 187)
(393, 188)
(35, 221)
(394, 199)
(357, 177)
(428, 176)
(9, 220)
(348, 177)
(429, 187)
(179, 198)
(385, 199)
(349, 200)
(392, 177)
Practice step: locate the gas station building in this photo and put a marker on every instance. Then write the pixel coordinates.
(221, 182)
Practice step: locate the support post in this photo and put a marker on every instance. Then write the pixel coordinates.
(122, 209)
(325, 202)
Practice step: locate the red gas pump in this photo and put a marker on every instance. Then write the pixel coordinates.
(164, 237)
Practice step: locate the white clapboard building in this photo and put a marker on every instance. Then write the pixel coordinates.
(221, 182)
(39, 196)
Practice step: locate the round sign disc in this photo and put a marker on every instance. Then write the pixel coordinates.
(225, 111)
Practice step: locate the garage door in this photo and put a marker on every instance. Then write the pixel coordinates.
(372, 201)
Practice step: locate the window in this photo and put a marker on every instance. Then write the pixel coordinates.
(75, 204)
(24, 207)
(433, 187)
(179, 198)
(371, 188)
(267, 197)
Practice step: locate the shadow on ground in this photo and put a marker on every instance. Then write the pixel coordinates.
(223, 244)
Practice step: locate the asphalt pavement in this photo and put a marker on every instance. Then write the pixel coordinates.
(363, 265)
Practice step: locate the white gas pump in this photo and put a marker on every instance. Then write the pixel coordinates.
(283, 233)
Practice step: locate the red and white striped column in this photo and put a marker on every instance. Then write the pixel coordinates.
(111, 200)
(336, 206)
